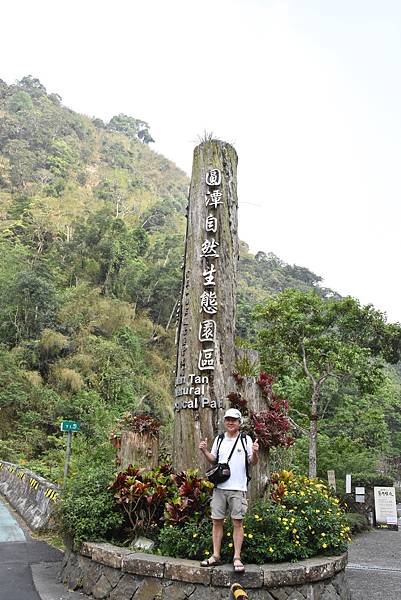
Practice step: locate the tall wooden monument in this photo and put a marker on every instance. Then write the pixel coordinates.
(206, 353)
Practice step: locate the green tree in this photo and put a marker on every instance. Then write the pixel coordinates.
(313, 341)
(32, 85)
(19, 101)
(29, 306)
(133, 128)
(22, 162)
(61, 159)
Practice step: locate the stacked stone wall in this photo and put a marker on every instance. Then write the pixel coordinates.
(113, 573)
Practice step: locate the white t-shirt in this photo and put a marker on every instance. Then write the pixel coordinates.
(237, 480)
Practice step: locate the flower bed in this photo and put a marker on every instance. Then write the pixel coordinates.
(301, 518)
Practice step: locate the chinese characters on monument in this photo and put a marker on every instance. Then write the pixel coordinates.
(194, 385)
(209, 298)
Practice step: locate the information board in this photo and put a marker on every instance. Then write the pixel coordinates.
(385, 507)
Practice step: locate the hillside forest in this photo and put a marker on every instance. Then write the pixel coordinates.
(92, 225)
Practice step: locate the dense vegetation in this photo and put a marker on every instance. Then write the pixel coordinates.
(92, 226)
(301, 518)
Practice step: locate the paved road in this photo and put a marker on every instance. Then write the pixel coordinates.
(374, 567)
(28, 568)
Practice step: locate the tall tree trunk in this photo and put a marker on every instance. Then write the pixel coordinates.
(313, 433)
(205, 354)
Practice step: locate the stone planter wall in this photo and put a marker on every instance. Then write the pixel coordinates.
(113, 573)
(32, 496)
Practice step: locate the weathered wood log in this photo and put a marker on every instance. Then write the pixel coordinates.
(205, 354)
(251, 392)
(139, 449)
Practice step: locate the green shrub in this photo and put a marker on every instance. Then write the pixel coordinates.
(191, 541)
(7, 452)
(87, 511)
(370, 480)
(356, 522)
(302, 519)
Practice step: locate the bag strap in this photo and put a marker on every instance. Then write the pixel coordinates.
(233, 448)
(243, 441)
(220, 438)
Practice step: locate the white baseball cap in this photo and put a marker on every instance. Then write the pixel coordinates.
(234, 413)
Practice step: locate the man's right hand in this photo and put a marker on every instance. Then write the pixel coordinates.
(203, 445)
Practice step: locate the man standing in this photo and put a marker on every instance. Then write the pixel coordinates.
(230, 496)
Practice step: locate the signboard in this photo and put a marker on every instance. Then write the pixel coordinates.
(331, 478)
(348, 483)
(70, 426)
(360, 494)
(385, 507)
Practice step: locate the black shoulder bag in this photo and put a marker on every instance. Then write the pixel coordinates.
(220, 472)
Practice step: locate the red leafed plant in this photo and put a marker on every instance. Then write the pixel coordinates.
(142, 494)
(271, 426)
(237, 401)
(238, 377)
(265, 381)
(150, 497)
(191, 500)
(142, 424)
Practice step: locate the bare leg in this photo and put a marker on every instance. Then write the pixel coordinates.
(238, 536)
(217, 536)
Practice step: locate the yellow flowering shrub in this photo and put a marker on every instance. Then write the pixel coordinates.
(300, 520)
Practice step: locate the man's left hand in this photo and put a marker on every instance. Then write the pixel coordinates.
(255, 446)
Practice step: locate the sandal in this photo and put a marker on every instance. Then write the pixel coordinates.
(238, 565)
(213, 561)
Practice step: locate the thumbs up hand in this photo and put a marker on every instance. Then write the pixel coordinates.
(203, 445)
(255, 446)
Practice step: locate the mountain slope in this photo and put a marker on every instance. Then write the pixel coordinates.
(92, 226)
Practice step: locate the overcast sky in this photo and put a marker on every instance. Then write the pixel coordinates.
(308, 92)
